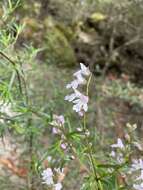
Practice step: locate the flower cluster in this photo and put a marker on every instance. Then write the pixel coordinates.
(118, 155)
(79, 100)
(58, 122)
(47, 176)
(137, 166)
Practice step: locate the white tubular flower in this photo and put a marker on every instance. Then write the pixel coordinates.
(138, 187)
(113, 154)
(81, 104)
(119, 144)
(141, 176)
(47, 176)
(120, 158)
(64, 146)
(71, 97)
(79, 100)
(80, 78)
(85, 70)
(58, 120)
(78, 81)
(56, 131)
(74, 84)
(58, 186)
(137, 165)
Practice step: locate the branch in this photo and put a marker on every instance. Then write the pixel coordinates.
(17, 72)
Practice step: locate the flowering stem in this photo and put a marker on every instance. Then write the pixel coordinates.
(90, 156)
(91, 159)
(73, 149)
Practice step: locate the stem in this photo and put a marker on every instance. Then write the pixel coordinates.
(91, 159)
(69, 142)
(17, 72)
(31, 137)
(19, 77)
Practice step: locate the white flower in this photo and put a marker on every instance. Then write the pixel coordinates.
(78, 81)
(113, 154)
(138, 187)
(49, 158)
(71, 97)
(120, 159)
(119, 144)
(79, 77)
(81, 104)
(74, 84)
(79, 100)
(58, 120)
(64, 146)
(141, 176)
(55, 130)
(137, 165)
(58, 186)
(47, 176)
(85, 70)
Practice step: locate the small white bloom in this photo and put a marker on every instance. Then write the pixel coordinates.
(79, 100)
(55, 130)
(71, 97)
(85, 70)
(49, 158)
(79, 77)
(74, 84)
(80, 103)
(87, 133)
(120, 159)
(138, 187)
(47, 176)
(119, 144)
(58, 186)
(64, 146)
(141, 176)
(58, 120)
(79, 129)
(113, 154)
(137, 165)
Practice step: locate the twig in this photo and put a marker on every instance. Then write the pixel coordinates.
(17, 72)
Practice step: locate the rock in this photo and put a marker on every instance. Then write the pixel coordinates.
(58, 48)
